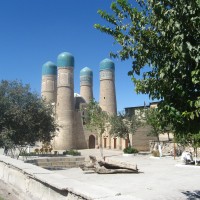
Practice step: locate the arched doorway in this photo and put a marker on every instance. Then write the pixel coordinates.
(91, 142)
(105, 142)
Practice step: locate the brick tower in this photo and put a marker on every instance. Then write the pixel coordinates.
(107, 99)
(49, 85)
(65, 102)
(86, 84)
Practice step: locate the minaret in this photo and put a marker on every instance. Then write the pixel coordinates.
(49, 85)
(65, 102)
(86, 84)
(107, 87)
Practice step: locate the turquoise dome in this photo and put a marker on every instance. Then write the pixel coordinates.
(86, 71)
(107, 64)
(65, 59)
(49, 68)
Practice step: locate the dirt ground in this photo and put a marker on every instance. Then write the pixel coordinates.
(7, 193)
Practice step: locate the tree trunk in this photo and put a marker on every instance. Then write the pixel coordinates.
(114, 165)
(112, 171)
(109, 167)
(195, 155)
(168, 136)
(129, 142)
(100, 145)
(158, 139)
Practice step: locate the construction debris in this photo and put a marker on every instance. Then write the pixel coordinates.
(108, 167)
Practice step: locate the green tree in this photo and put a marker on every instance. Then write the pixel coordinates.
(122, 125)
(24, 118)
(163, 40)
(152, 119)
(165, 126)
(158, 123)
(96, 119)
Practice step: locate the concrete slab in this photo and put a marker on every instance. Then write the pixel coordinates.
(37, 170)
(159, 179)
(121, 197)
(17, 163)
(80, 188)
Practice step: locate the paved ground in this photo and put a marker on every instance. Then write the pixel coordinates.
(159, 178)
(7, 193)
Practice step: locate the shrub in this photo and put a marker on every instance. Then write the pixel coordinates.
(50, 150)
(72, 152)
(46, 150)
(42, 150)
(37, 151)
(130, 150)
(155, 153)
(27, 154)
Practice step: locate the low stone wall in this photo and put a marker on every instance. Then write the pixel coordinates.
(58, 162)
(31, 182)
(168, 147)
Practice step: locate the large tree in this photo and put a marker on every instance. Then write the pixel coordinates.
(163, 40)
(24, 118)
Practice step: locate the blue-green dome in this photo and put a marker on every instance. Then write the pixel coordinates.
(49, 68)
(107, 64)
(65, 59)
(86, 71)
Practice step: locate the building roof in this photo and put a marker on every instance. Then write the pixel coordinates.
(49, 68)
(86, 71)
(65, 59)
(107, 64)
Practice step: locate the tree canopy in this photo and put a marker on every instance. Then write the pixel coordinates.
(96, 119)
(163, 40)
(157, 123)
(152, 119)
(24, 118)
(122, 125)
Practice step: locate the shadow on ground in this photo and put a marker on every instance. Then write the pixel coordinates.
(192, 195)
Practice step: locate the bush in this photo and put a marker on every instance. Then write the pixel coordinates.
(37, 151)
(72, 152)
(155, 153)
(130, 150)
(27, 154)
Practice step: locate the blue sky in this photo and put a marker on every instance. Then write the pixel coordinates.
(33, 32)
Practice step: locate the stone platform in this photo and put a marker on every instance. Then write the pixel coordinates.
(53, 163)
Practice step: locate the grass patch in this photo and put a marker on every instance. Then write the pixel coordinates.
(72, 152)
(130, 150)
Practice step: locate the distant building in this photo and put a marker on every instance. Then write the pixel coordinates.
(58, 89)
(140, 140)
